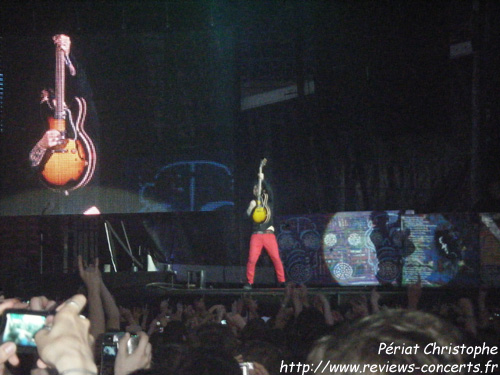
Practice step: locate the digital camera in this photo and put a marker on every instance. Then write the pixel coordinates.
(20, 326)
(110, 346)
(111, 341)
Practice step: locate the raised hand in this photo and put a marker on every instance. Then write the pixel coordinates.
(374, 300)
(165, 306)
(414, 293)
(236, 320)
(126, 314)
(218, 311)
(237, 306)
(42, 303)
(359, 307)
(178, 312)
(90, 274)
(303, 293)
(252, 306)
(63, 42)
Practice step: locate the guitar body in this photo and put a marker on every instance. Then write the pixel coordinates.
(71, 165)
(259, 214)
(65, 165)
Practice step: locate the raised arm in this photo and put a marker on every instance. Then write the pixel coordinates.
(92, 279)
(325, 308)
(414, 294)
(483, 313)
(467, 310)
(374, 300)
(111, 310)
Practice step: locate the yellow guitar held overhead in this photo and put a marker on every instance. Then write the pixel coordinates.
(261, 212)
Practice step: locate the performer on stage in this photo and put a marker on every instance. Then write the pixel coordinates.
(260, 210)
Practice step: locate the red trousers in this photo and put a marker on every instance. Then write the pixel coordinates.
(267, 241)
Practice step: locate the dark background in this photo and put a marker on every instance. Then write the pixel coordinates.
(395, 121)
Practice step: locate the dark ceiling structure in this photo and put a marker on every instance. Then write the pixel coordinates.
(399, 97)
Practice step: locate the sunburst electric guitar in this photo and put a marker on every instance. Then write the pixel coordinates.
(261, 212)
(71, 164)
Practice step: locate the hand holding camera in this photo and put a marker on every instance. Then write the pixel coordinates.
(62, 340)
(21, 321)
(8, 350)
(65, 342)
(133, 354)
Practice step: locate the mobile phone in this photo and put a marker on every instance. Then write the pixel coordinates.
(20, 326)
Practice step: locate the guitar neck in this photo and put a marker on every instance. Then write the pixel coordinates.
(59, 113)
(260, 181)
(263, 162)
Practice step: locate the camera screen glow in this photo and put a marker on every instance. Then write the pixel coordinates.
(21, 328)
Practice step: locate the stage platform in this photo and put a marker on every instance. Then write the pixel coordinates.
(260, 290)
(140, 288)
(154, 286)
(332, 254)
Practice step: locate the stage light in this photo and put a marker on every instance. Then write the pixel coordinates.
(92, 211)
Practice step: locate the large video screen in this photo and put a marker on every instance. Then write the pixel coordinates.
(346, 248)
(490, 249)
(446, 249)
(118, 123)
(387, 248)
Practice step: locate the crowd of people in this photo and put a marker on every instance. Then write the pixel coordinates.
(300, 332)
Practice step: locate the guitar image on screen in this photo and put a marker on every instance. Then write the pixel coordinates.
(71, 163)
(261, 212)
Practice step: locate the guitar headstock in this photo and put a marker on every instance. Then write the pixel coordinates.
(62, 42)
(263, 162)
